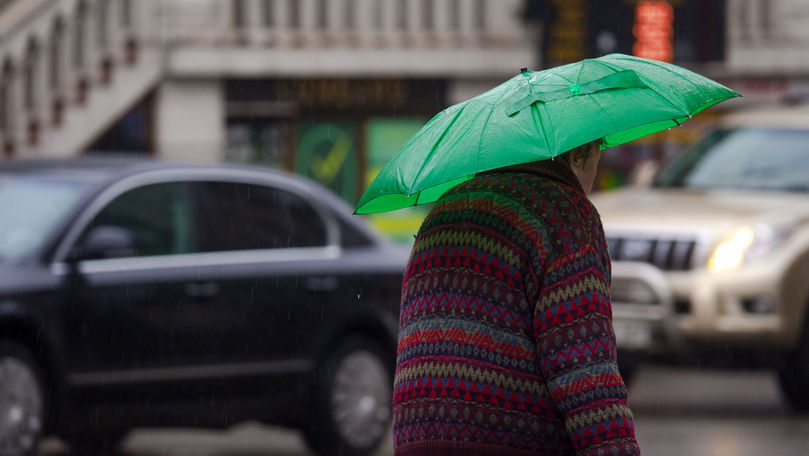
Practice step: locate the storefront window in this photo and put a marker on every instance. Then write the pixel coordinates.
(255, 141)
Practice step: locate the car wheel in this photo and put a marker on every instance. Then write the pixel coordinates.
(794, 376)
(352, 412)
(22, 400)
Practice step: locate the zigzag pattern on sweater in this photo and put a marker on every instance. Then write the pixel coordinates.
(593, 349)
(473, 393)
(483, 286)
(478, 433)
(582, 373)
(467, 351)
(465, 244)
(505, 328)
(592, 395)
(575, 308)
(442, 371)
(538, 197)
(531, 242)
(450, 302)
(587, 326)
(599, 433)
(577, 287)
(569, 265)
(604, 414)
(500, 213)
(469, 323)
(466, 332)
(474, 261)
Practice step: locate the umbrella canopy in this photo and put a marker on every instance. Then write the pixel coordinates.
(538, 115)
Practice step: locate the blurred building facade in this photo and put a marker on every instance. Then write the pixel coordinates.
(758, 47)
(331, 88)
(326, 88)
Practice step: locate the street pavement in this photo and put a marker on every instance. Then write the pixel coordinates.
(677, 412)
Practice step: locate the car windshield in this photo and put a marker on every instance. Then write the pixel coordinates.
(743, 158)
(29, 209)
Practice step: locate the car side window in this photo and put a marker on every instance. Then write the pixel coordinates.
(350, 237)
(156, 218)
(237, 216)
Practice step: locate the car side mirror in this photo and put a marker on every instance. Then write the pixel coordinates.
(104, 242)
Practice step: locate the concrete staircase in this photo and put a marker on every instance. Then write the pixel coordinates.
(70, 69)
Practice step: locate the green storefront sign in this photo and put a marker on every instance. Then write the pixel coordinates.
(327, 153)
(384, 136)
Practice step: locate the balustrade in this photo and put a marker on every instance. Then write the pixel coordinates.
(55, 53)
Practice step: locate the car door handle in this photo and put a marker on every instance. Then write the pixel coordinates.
(201, 290)
(321, 283)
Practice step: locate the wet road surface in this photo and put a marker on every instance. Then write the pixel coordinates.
(677, 412)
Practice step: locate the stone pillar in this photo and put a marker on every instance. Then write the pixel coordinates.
(36, 112)
(308, 33)
(254, 16)
(281, 30)
(364, 14)
(190, 120)
(390, 32)
(12, 137)
(80, 33)
(59, 71)
(467, 32)
(103, 40)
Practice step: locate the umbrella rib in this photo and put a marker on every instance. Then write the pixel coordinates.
(610, 67)
(581, 68)
(612, 120)
(486, 124)
(670, 71)
(540, 126)
(662, 67)
(666, 99)
(438, 141)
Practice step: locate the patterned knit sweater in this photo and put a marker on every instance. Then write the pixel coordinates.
(506, 344)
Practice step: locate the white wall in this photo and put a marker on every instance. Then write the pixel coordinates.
(768, 37)
(189, 120)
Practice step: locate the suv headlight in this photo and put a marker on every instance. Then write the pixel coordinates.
(747, 243)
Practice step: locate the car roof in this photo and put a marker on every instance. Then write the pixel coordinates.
(101, 171)
(90, 169)
(794, 116)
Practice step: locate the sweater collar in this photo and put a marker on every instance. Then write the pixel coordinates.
(557, 170)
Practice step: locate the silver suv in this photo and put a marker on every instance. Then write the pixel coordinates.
(725, 229)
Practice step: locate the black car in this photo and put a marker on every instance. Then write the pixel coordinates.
(138, 293)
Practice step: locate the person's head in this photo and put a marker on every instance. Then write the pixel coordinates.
(583, 160)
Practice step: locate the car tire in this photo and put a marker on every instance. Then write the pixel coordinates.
(793, 375)
(22, 399)
(351, 414)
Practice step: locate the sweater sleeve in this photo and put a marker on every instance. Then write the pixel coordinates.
(577, 355)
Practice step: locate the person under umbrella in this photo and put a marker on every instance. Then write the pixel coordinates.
(506, 344)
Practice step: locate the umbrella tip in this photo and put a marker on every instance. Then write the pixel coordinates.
(523, 70)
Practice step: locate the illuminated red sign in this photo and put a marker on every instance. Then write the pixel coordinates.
(654, 30)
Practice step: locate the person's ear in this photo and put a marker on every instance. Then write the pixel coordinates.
(577, 158)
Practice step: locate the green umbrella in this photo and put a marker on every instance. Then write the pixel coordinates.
(538, 115)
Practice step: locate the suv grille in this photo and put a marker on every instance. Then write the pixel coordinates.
(666, 254)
